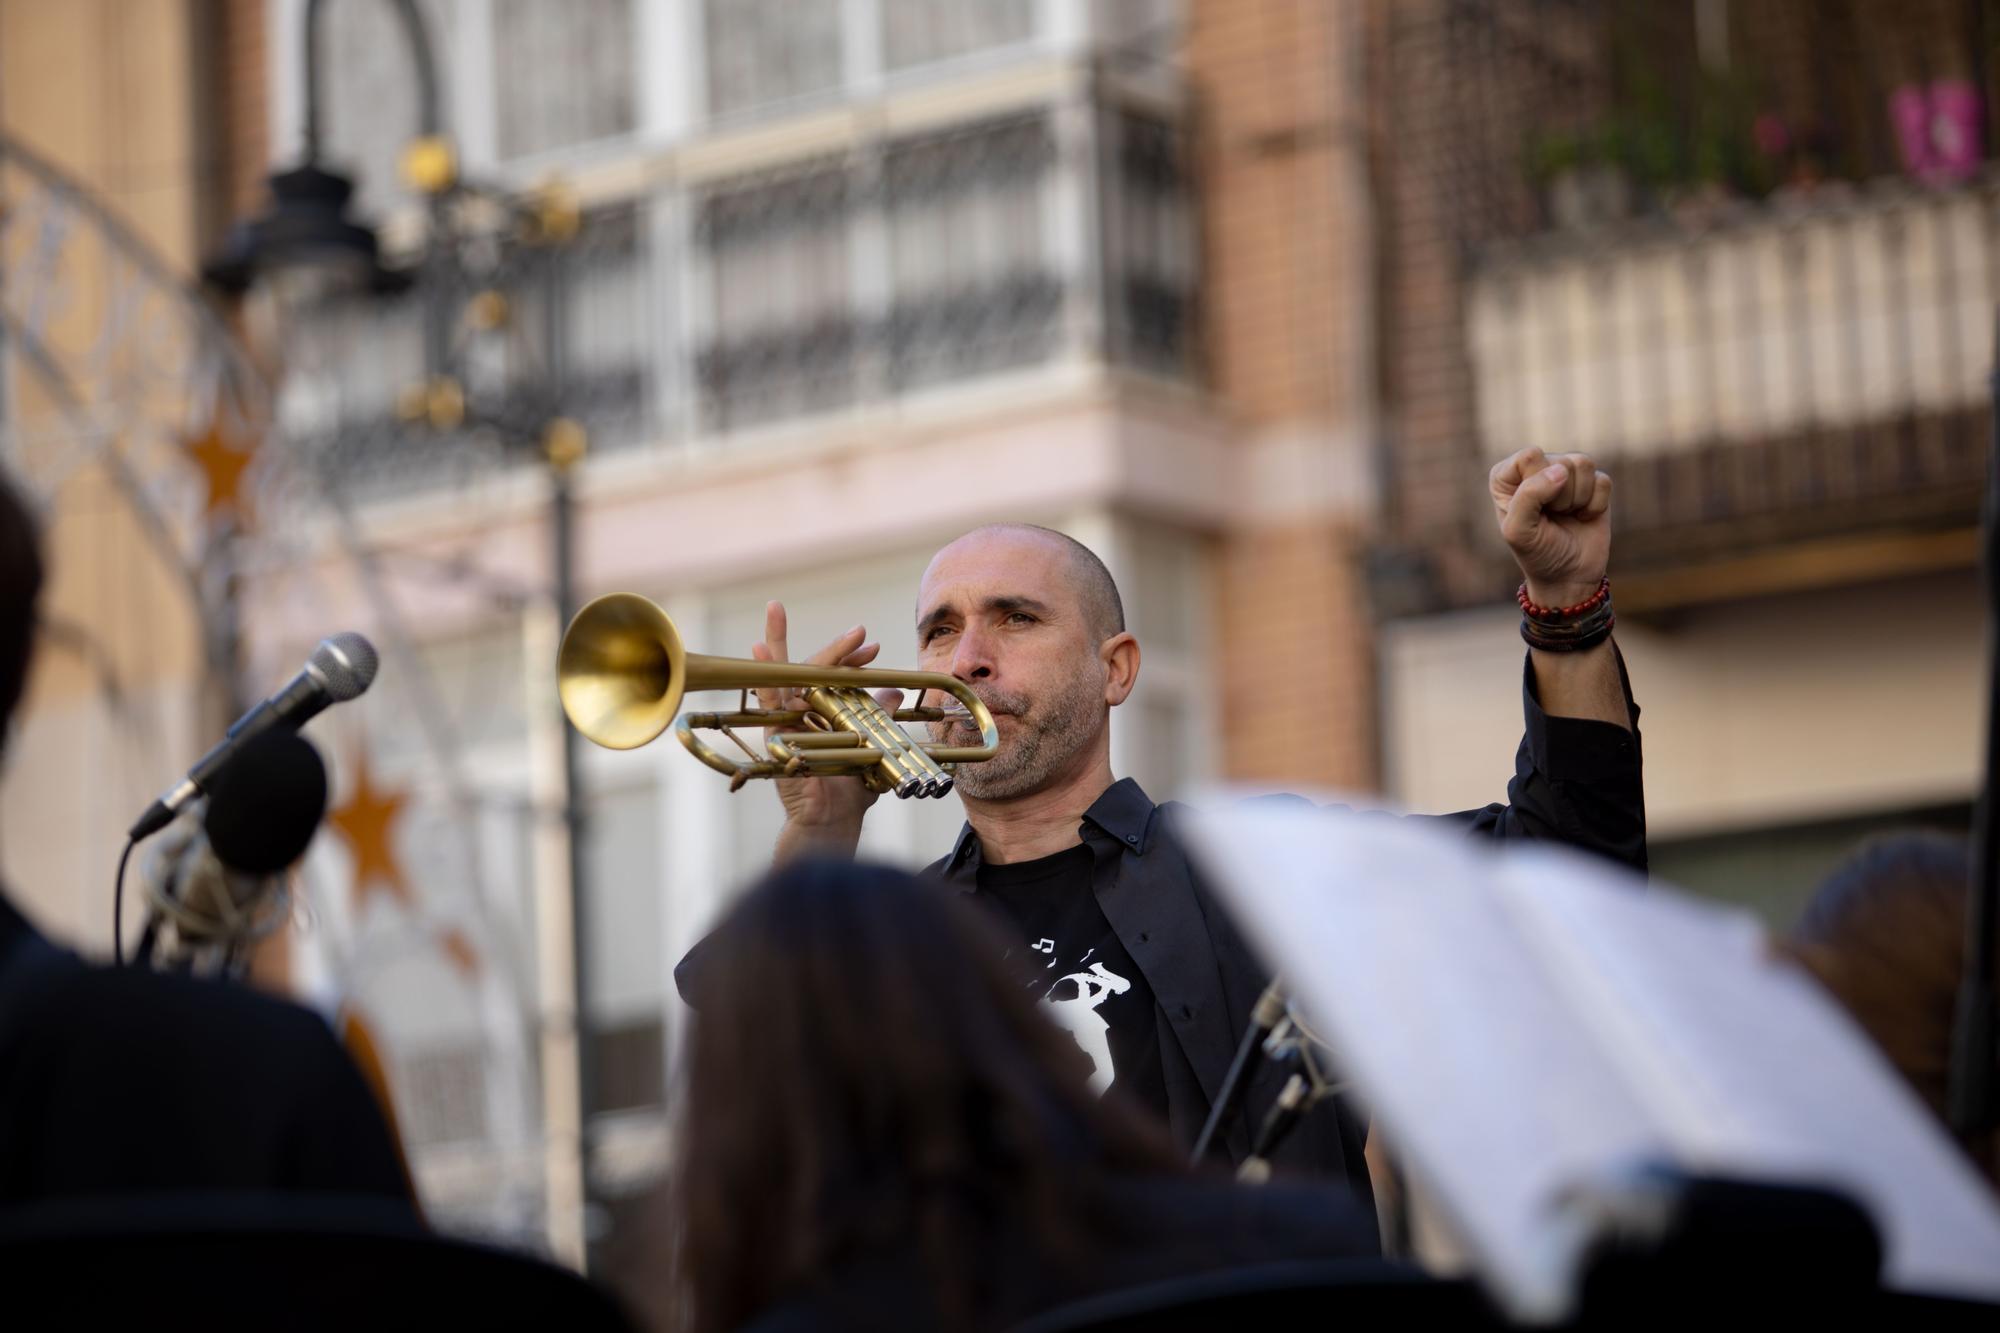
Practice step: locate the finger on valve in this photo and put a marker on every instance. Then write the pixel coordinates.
(767, 696)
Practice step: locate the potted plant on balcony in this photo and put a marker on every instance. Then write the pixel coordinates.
(1581, 186)
(1605, 171)
(1651, 152)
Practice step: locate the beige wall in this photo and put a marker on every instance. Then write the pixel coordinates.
(103, 89)
(1772, 711)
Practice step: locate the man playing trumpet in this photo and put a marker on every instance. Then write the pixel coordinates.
(1088, 870)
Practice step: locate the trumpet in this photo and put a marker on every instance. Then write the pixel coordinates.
(622, 672)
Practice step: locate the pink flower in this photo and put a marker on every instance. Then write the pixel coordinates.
(1770, 134)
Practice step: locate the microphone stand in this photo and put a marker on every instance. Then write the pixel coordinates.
(1974, 1107)
(1308, 1086)
(1266, 1014)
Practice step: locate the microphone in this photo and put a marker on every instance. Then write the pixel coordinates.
(263, 808)
(341, 668)
(266, 804)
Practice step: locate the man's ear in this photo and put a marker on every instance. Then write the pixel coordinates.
(1120, 655)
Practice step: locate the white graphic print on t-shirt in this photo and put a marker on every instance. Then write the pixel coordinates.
(1078, 1013)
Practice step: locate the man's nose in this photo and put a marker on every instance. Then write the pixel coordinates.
(972, 655)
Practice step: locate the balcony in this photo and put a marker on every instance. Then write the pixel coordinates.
(1790, 371)
(772, 281)
(1745, 253)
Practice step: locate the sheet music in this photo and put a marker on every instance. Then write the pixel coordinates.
(1522, 1023)
(1758, 1071)
(1493, 1118)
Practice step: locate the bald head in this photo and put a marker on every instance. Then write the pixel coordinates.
(1095, 589)
(1030, 620)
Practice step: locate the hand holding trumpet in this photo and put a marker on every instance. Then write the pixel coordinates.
(823, 813)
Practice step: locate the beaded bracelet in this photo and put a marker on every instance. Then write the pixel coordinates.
(1584, 607)
(1568, 629)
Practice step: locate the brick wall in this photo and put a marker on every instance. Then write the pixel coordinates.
(1271, 133)
(1436, 491)
(1297, 665)
(1278, 144)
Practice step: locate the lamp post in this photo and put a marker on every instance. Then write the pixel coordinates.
(305, 251)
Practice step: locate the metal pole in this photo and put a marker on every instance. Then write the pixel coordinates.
(562, 510)
(1975, 1050)
(563, 445)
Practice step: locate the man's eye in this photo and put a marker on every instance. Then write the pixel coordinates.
(936, 630)
(1020, 618)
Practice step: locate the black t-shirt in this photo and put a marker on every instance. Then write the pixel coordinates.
(1082, 975)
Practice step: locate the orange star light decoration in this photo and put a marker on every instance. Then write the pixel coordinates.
(458, 951)
(368, 821)
(222, 467)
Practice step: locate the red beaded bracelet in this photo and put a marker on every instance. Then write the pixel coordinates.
(1582, 608)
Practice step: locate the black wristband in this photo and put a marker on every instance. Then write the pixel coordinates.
(1573, 636)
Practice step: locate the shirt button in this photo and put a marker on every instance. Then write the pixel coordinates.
(1143, 937)
(1132, 837)
(1186, 1012)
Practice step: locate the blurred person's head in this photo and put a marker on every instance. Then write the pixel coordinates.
(1884, 933)
(867, 1075)
(20, 591)
(1032, 621)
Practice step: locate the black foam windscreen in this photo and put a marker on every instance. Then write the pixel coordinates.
(265, 803)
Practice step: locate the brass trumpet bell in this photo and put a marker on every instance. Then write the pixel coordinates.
(623, 672)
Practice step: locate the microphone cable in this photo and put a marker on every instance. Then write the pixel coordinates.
(118, 904)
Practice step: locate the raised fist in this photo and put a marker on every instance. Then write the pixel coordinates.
(1554, 512)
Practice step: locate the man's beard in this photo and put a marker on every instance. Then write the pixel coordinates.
(1044, 739)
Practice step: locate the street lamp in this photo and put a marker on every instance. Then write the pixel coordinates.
(306, 252)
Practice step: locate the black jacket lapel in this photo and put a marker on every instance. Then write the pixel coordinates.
(1151, 904)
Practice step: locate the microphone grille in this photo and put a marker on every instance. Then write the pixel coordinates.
(265, 804)
(346, 663)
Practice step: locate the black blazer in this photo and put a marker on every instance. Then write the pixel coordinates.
(1575, 781)
(124, 1081)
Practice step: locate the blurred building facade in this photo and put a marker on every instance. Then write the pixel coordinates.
(1744, 254)
(112, 168)
(1245, 294)
(853, 278)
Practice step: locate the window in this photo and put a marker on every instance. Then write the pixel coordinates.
(562, 73)
(349, 365)
(969, 251)
(762, 51)
(368, 91)
(355, 360)
(784, 333)
(917, 32)
(1152, 246)
(607, 290)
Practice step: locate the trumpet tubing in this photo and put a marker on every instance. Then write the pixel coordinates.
(623, 671)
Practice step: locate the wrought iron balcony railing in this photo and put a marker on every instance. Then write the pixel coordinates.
(894, 266)
(1789, 361)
